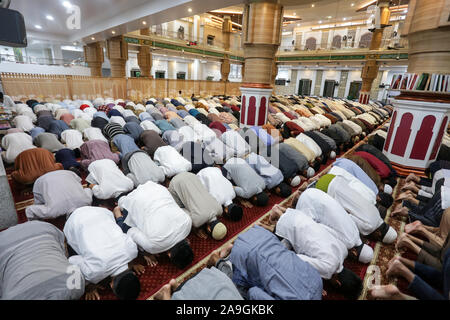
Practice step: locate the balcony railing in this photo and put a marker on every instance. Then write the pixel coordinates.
(41, 61)
(387, 44)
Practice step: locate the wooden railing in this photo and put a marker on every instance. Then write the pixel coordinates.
(42, 87)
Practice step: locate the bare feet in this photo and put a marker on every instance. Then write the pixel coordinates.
(275, 214)
(408, 195)
(303, 186)
(413, 227)
(219, 254)
(92, 295)
(246, 203)
(117, 212)
(403, 242)
(411, 186)
(138, 269)
(412, 177)
(213, 258)
(270, 228)
(396, 267)
(201, 233)
(165, 293)
(311, 180)
(151, 260)
(388, 292)
(403, 212)
(225, 251)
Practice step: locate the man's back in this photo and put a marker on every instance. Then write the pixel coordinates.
(33, 264)
(260, 260)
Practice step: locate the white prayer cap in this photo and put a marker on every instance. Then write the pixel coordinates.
(390, 236)
(332, 155)
(366, 254)
(310, 172)
(295, 181)
(387, 189)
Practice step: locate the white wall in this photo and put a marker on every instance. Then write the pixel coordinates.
(44, 69)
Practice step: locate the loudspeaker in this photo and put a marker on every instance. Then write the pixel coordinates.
(12, 28)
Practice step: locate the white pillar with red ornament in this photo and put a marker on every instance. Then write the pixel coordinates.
(415, 133)
(254, 106)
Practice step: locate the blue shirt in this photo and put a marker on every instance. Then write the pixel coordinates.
(145, 116)
(36, 131)
(101, 114)
(125, 144)
(357, 172)
(57, 127)
(164, 125)
(133, 129)
(264, 266)
(262, 134)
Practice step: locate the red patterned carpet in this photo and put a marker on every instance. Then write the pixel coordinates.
(155, 277)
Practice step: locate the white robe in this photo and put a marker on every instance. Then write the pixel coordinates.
(217, 185)
(148, 125)
(363, 212)
(157, 222)
(103, 249)
(94, 134)
(72, 138)
(170, 161)
(356, 184)
(235, 141)
(312, 242)
(325, 210)
(15, 143)
(310, 143)
(24, 123)
(218, 151)
(109, 180)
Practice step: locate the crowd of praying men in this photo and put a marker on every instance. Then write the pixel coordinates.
(180, 165)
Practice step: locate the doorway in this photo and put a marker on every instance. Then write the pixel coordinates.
(328, 90)
(304, 87)
(355, 87)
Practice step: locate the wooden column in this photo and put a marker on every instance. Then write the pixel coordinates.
(261, 38)
(93, 56)
(145, 57)
(117, 52)
(226, 35)
(225, 68)
(427, 27)
(370, 70)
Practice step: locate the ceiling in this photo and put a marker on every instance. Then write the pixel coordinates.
(99, 18)
(313, 12)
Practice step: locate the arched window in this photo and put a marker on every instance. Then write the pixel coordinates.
(402, 135)
(262, 111)
(310, 44)
(243, 109)
(251, 111)
(423, 138)
(365, 40)
(336, 42)
(391, 129)
(438, 141)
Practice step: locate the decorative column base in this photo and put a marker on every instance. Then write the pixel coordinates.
(415, 133)
(364, 97)
(254, 105)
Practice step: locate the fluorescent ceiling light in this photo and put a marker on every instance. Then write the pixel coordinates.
(37, 26)
(49, 17)
(67, 4)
